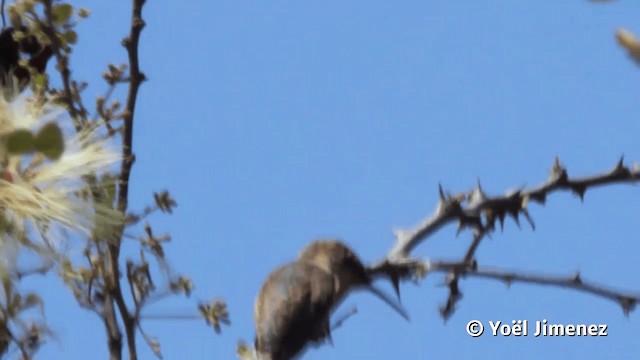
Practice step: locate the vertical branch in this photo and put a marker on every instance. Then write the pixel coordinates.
(128, 158)
(135, 79)
(114, 340)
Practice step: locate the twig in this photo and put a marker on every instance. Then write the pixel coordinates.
(151, 342)
(41, 270)
(628, 301)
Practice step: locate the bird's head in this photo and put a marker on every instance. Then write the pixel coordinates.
(336, 258)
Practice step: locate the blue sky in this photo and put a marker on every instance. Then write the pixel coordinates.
(273, 123)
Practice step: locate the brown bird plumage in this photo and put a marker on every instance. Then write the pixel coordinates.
(294, 305)
(292, 310)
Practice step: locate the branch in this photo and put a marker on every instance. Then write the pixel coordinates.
(513, 203)
(626, 300)
(479, 212)
(135, 79)
(461, 269)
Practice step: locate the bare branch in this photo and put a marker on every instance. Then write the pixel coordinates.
(135, 79)
(627, 301)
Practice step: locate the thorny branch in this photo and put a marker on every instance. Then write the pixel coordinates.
(478, 212)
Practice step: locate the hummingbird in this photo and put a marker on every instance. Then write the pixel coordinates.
(294, 305)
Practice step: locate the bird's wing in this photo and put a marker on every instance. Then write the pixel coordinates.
(292, 308)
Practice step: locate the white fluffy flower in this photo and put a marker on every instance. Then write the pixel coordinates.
(35, 191)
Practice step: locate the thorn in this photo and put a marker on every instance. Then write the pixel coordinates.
(516, 218)
(556, 163)
(501, 216)
(395, 282)
(577, 279)
(508, 280)
(477, 194)
(628, 305)
(620, 169)
(558, 172)
(479, 190)
(527, 216)
(579, 190)
(620, 165)
(441, 193)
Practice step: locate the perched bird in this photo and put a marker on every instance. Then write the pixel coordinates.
(294, 305)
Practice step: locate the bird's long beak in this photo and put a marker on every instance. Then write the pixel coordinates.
(387, 299)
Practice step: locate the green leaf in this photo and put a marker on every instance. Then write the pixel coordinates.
(40, 80)
(84, 13)
(21, 142)
(61, 13)
(49, 141)
(70, 36)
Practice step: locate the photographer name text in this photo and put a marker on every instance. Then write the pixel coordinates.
(536, 328)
